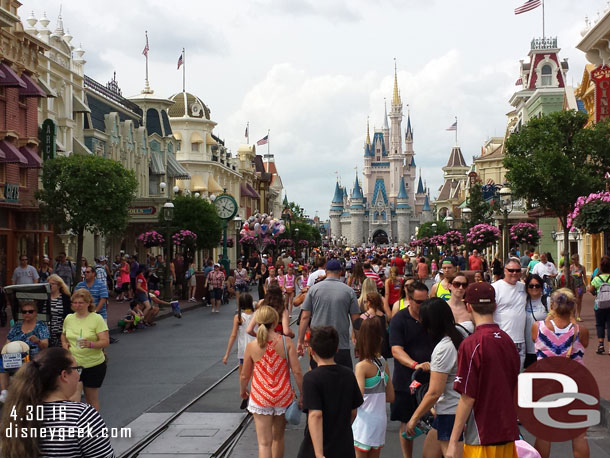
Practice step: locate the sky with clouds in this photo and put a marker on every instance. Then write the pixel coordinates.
(311, 71)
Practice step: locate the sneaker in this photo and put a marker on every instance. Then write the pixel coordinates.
(113, 340)
(192, 299)
(600, 349)
(3, 396)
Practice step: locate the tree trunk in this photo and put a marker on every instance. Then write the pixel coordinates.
(79, 255)
(566, 250)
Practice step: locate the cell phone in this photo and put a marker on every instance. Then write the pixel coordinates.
(418, 432)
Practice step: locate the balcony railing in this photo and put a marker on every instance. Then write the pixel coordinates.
(544, 43)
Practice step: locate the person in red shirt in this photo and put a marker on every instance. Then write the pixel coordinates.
(399, 263)
(422, 269)
(370, 273)
(474, 261)
(488, 367)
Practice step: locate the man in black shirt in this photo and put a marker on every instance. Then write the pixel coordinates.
(331, 397)
(411, 349)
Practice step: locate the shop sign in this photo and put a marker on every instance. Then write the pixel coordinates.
(601, 78)
(141, 211)
(48, 143)
(11, 192)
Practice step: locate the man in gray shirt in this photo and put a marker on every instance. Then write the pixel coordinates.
(330, 303)
(25, 274)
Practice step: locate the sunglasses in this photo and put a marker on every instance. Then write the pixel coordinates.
(459, 284)
(513, 271)
(78, 369)
(28, 311)
(534, 286)
(419, 301)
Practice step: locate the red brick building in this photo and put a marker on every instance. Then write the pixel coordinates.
(21, 231)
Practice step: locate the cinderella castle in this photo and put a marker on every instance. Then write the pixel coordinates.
(385, 207)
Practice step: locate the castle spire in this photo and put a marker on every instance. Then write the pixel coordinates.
(409, 133)
(396, 96)
(385, 116)
(368, 135)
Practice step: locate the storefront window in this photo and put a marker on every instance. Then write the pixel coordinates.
(23, 177)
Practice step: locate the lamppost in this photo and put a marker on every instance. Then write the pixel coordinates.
(466, 214)
(168, 216)
(238, 222)
(434, 227)
(506, 202)
(449, 221)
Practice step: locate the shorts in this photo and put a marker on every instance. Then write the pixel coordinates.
(508, 450)
(92, 377)
(366, 448)
(193, 280)
(255, 408)
(216, 293)
(403, 407)
(142, 297)
(241, 287)
(444, 425)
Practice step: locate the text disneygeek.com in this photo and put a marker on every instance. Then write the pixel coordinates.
(61, 433)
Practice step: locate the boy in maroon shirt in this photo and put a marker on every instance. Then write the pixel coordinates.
(488, 367)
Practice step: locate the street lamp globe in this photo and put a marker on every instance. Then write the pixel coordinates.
(466, 213)
(176, 189)
(168, 211)
(197, 195)
(162, 187)
(238, 221)
(212, 197)
(506, 197)
(449, 220)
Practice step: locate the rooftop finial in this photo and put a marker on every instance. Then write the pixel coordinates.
(396, 95)
(59, 31)
(385, 116)
(368, 135)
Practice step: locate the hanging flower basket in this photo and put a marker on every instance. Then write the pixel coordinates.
(483, 235)
(453, 238)
(151, 239)
(592, 213)
(527, 233)
(184, 237)
(229, 242)
(286, 242)
(303, 243)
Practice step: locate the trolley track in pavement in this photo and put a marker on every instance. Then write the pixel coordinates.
(223, 451)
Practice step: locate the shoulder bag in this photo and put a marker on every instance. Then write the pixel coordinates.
(293, 413)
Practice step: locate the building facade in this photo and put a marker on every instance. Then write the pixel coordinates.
(21, 229)
(385, 207)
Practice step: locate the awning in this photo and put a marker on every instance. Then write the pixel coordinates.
(174, 169)
(156, 163)
(80, 148)
(78, 106)
(210, 140)
(32, 89)
(48, 89)
(252, 191)
(243, 190)
(213, 185)
(2, 75)
(10, 78)
(12, 154)
(32, 157)
(197, 183)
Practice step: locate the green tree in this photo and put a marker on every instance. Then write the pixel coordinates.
(86, 193)
(555, 159)
(426, 229)
(481, 211)
(198, 216)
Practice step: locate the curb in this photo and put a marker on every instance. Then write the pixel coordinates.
(604, 409)
(163, 315)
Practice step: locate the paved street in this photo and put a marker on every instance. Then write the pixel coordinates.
(159, 370)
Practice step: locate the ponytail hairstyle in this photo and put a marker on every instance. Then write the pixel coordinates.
(274, 298)
(267, 318)
(30, 385)
(563, 302)
(245, 303)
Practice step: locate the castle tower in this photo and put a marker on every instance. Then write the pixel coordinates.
(396, 155)
(336, 210)
(403, 212)
(357, 215)
(368, 153)
(427, 214)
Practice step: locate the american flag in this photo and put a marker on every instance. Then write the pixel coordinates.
(452, 126)
(180, 62)
(263, 141)
(519, 82)
(146, 48)
(246, 134)
(527, 6)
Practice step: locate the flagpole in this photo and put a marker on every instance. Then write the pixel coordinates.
(146, 33)
(183, 71)
(456, 130)
(543, 20)
(248, 133)
(268, 142)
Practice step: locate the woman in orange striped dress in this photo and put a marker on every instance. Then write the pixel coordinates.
(266, 363)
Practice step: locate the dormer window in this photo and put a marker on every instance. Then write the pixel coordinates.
(547, 75)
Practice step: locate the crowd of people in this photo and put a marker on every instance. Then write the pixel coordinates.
(458, 346)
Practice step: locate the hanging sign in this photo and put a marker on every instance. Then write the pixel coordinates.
(601, 78)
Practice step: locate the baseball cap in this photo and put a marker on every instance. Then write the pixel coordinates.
(216, 265)
(333, 264)
(480, 293)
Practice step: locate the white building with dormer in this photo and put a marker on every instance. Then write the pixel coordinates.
(384, 206)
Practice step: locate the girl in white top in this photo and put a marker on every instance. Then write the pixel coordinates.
(242, 318)
(373, 377)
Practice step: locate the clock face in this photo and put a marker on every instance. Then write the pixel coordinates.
(226, 207)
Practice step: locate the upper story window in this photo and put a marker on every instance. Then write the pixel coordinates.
(547, 75)
(195, 147)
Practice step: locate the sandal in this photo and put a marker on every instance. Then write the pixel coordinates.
(600, 349)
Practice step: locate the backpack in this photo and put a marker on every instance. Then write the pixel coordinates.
(603, 294)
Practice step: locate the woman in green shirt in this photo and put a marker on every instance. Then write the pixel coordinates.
(85, 335)
(602, 316)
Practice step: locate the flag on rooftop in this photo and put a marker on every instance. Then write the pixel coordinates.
(146, 48)
(263, 141)
(527, 6)
(180, 62)
(246, 134)
(452, 126)
(519, 82)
